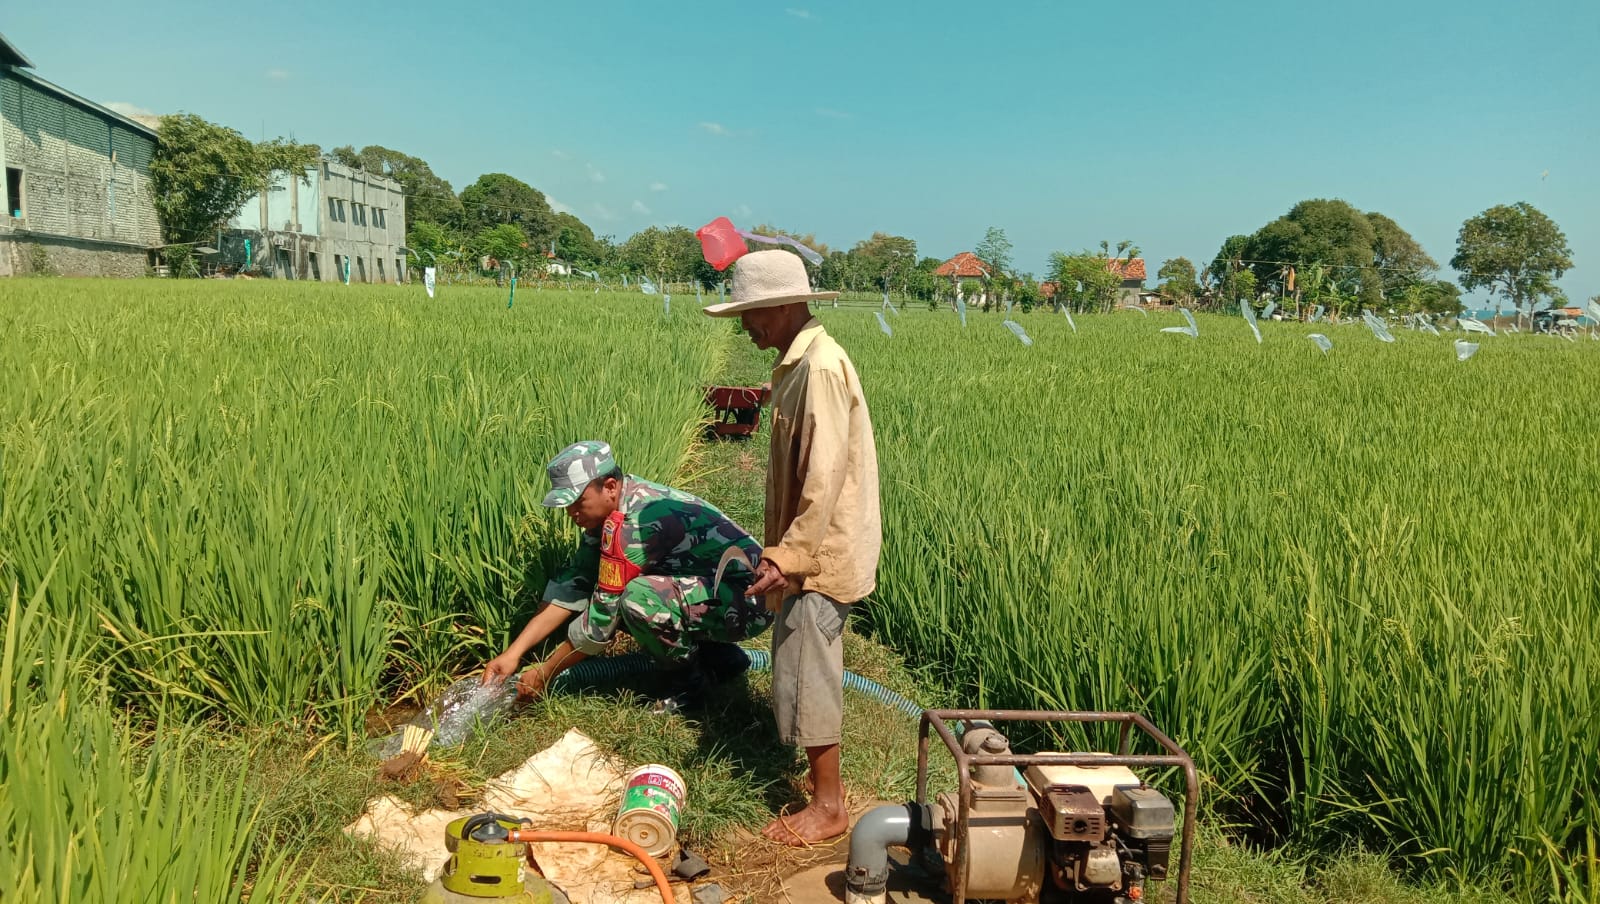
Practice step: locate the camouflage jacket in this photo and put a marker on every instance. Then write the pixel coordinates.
(664, 531)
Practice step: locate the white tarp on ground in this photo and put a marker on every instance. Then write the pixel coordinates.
(569, 786)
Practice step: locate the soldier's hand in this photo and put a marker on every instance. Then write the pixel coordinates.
(532, 683)
(768, 579)
(500, 668)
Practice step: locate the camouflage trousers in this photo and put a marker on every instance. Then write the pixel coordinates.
(668, 615)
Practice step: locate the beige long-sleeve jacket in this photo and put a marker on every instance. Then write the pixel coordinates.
(823, 524)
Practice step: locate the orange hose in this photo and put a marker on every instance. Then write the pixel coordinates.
(523, 836)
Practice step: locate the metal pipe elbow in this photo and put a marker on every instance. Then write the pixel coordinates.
(866, 876)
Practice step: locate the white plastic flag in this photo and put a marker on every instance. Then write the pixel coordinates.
(1377, 327)
(1472, 325)
(961, 308)
(883, 324)
(1317, 314)
(1267, 312)
(1323, 342)
(1465, 349)
(1070, 321)
(427, 280)
(666, 305)
(1427, 324)
(1191, 330)
(1594, 311)
(1250, 318)
(1021, 334)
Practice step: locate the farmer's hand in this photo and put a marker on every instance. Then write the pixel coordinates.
(532, 683)
(501, 667)
(768, 579)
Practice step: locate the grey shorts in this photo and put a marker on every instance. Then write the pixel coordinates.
(808, 670)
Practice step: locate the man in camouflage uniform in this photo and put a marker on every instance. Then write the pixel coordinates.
(646, 563)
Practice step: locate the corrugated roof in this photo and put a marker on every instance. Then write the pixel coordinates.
(966, 264)
(87, 104)
(11, 56)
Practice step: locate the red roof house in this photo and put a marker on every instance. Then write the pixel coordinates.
(965, 265)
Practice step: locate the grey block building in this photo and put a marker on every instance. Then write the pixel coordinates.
(335, 218)
(77, 180)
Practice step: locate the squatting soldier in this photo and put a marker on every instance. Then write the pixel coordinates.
(646, 564)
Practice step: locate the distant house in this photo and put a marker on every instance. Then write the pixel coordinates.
(1130, 291)
(335, 221)
(966, 265)
(77, 180)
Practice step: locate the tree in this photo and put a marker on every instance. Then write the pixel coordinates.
(667, 254)
(1083, 281)
(1399, 259)
(1330, 232)
(497, 198)
(505, 243)
(1430, 296)
(1179, 282)
(575, 243)
(1230, 257)
(1514, 251)
(995, 250)
(885, 260)
(430, 242)
(429, 199)
(202, 173)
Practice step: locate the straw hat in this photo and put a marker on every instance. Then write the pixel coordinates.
(766, 279)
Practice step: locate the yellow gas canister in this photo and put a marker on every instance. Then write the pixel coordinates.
(484, 866)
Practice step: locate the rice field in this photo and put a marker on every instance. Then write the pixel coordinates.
(1361, 588)
(264, 503)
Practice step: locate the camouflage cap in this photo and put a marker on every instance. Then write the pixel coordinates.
(573, 468)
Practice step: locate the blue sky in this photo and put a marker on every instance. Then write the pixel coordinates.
(1173, 124)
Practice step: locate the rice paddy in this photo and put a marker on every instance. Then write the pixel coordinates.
(1360, 587)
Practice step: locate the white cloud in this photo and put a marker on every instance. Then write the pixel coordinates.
(559, 154)
(277, 75)
(604, 212)
(715, 128)
(594, 174)
(122, 108)
(558, 206)
(658, 186)
(743, 210)
(639, 208)
(833, 114)
(798, 13)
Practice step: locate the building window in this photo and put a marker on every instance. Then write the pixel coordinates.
(14, 192)
(342, 217)
(338, 268)
(399, 271)
(380, 269)
(377, 218)
(316, 270)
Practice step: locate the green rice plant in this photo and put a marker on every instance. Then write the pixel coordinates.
(1359, 588)
(276, 500)
(92, 811)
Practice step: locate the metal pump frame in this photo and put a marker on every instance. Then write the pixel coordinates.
(1175, 756)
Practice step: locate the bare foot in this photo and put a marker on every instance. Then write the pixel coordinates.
(816, 823)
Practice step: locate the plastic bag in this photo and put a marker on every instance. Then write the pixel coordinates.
(462, 705)
(721, 242)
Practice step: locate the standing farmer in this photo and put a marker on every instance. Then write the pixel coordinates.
(646, 564)
(822, 529)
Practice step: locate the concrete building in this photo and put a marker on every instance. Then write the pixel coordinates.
(313, 227)
(77, 180)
